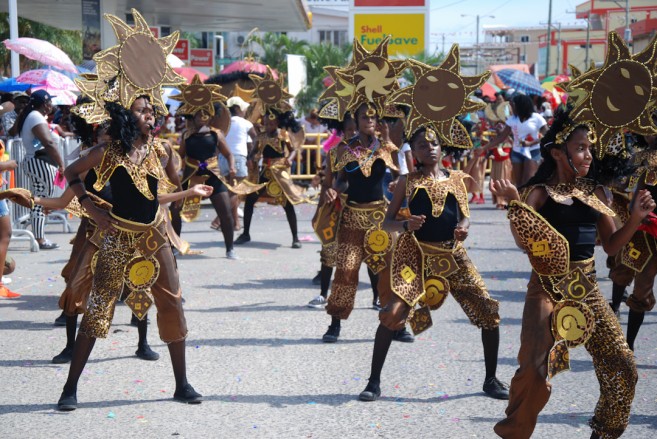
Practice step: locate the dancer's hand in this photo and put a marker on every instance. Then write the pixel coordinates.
(330, 195)
(504, 188)
(460, 233)
(392, 185)
(202, 189)
(415, 222)
(102, 218)
(642, 205)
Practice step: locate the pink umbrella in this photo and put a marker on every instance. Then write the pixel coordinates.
(247, 67)
(49, 79)
(42, 51)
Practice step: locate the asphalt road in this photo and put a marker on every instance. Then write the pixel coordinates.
(254, 352)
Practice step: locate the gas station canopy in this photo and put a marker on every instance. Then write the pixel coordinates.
(187, 15)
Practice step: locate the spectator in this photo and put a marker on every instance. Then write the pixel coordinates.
(20, 101)
(42, 159)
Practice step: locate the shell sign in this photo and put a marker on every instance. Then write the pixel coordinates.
(407, 32)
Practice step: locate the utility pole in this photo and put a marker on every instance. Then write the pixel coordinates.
(477, 39)
(558, 50)
(549, 41)
(628, 29)
(588, 40)
(13, 34)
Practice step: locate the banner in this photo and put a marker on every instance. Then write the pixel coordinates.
(182, 50)
(407, 32)
(384, 3)
(90, 28)
(201, 58)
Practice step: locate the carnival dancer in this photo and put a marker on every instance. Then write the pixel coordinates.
(556, 222)
(322, 220)
(133, 249)
(358, 170)
(200, 148)
(278, 150)
(428, 260)
(640, 255)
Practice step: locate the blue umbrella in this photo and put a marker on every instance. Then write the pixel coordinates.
(521, 81)
(10, 85)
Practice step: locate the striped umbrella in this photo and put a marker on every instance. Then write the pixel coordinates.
(520, 81)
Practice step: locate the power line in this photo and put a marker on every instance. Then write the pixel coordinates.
(447, 6)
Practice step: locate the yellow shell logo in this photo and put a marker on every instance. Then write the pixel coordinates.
(378, 241)
(141, 272)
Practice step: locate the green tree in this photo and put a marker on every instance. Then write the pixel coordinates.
(68, 40)
(275, 48)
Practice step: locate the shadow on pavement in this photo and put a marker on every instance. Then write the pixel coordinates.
(271, 342)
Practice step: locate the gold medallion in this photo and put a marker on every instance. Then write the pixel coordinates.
(572, 322)
(141, 272)
(378, 241)
(436, 289)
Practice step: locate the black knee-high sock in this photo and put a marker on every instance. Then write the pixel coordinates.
(634, 321)
(374, 280)
(490, 338)
(248, 211)
(382, 343)
(325, 278)
(221, 204)
(335, 322)
(291, 219)
(142, 330)
(83, 347)
(71, 325)
(617, 292)
(176, 220)
(177, 353)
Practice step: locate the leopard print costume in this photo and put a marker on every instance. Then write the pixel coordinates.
(577, 313)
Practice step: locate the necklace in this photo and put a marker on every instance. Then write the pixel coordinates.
(374, 146)
(141, 154)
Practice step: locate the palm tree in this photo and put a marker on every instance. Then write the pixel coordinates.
(67, 40)
(275, 48)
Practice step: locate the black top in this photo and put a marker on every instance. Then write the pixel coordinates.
(270, 153)
(105, 193)
(201, 146)
(577, 223)
(365, 189)
(434, 229)
(129, 203)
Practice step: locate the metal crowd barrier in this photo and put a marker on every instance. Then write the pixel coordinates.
(309, 157)
(20, 216)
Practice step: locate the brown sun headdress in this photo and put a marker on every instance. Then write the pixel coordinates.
(198, 96)
(619, 95)
(438, 95)
(270, 93)
(370, 77)
(136, 66)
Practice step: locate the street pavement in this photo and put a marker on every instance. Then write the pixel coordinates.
(254, 352)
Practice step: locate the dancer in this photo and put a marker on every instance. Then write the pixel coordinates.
(133, 251)
(199, 148)
(323, 219)
(428, 260)
(556, 221)
(277, 152)
(640, 255)
(358, 170)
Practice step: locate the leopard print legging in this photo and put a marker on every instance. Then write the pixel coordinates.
(612, 359)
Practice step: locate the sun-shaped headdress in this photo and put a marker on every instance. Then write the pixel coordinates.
(198, 96)
(339, 93)
(438, 95)
(137, 66)
(369, 78)
(619, 95)
(270, 92)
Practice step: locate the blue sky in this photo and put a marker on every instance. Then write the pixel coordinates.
(446, 17)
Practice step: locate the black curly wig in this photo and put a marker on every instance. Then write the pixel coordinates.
(285, 119)
(84, 132)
